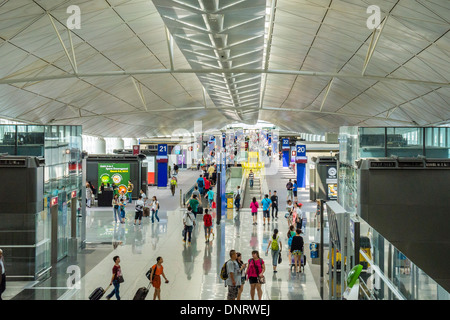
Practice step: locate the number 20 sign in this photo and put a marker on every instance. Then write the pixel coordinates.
(301, 150)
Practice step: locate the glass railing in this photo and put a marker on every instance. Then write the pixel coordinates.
(392, 276)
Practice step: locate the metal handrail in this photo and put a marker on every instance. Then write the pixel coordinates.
(386, 280)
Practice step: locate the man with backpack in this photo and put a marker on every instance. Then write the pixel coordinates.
(231, 274)
(200, 184)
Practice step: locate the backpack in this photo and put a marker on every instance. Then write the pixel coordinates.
(224, 272)
(149, 272)
(275, 245)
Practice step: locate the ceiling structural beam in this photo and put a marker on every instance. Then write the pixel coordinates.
(140, 93)
(72, 62)
(373, 45)
(7, 80)
(326, 94)
(169, 40)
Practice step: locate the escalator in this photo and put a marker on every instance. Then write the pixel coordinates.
(251, 192)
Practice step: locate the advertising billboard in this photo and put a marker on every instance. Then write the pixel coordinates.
(117, 173)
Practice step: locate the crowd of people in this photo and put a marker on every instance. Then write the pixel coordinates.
(236, 271)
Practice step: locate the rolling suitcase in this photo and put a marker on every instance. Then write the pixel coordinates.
(98, 293)
(146, 211)
(142, 292)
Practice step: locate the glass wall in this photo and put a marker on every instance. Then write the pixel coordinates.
(405, 142)
(437, 142)
(372, 142)
(61, 146)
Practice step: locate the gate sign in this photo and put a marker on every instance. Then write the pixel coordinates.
(285, 146)
(136, 149)
(301, 154)
(162, 153)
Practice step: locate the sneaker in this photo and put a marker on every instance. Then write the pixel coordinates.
(184, 241)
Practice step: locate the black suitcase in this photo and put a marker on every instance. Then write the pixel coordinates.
(98, 293)
(141, 294)
(200, 210)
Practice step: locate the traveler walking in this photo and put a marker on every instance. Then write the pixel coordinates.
(189, 223)
(173, 185)
(289, 214)
(210, 196)
(115, 205)
(2, 274)
(275, 247)
(255, 274)
(143, 195)
(289, 187)
(207, 184)
(274, 199)
(207, 223)
(233, 281)
(242, 269)
(290, 235)
(194, 204)
(266, 203)
(139, 210)
(294, 190)
(155, 277)
(200, 184)
(122, 205)
(297, 249)
(254, 205)
(175, 168)
(251, 177)
(130, 191)
(237, 198)
(116, 279)
(89, 194)
(154, 209)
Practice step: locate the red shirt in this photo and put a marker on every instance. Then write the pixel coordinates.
(207, 220)
(207, 184)
(116, 271)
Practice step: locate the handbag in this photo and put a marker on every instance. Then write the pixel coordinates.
(261, 279)
(120, 279)
(279, 258)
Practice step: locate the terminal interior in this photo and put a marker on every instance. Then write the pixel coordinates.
(349, 99)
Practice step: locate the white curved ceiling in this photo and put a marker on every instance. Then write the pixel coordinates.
(123, 74)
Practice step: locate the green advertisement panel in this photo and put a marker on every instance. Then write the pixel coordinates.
(117, 173)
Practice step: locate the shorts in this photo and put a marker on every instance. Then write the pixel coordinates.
(295, 193)
(254, 213)
(266, 213)
(138, 215)
(232, 292)
(297, 252)
(207, 229)
(253, 280)
(289, 192)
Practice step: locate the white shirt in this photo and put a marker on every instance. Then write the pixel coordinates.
(155, 205)
(140, 203)
(3, 266)
(189, 218)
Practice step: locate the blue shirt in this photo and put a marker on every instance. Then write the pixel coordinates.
(210, 195)
(295, 187)
(200, 183)
(266, 203)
